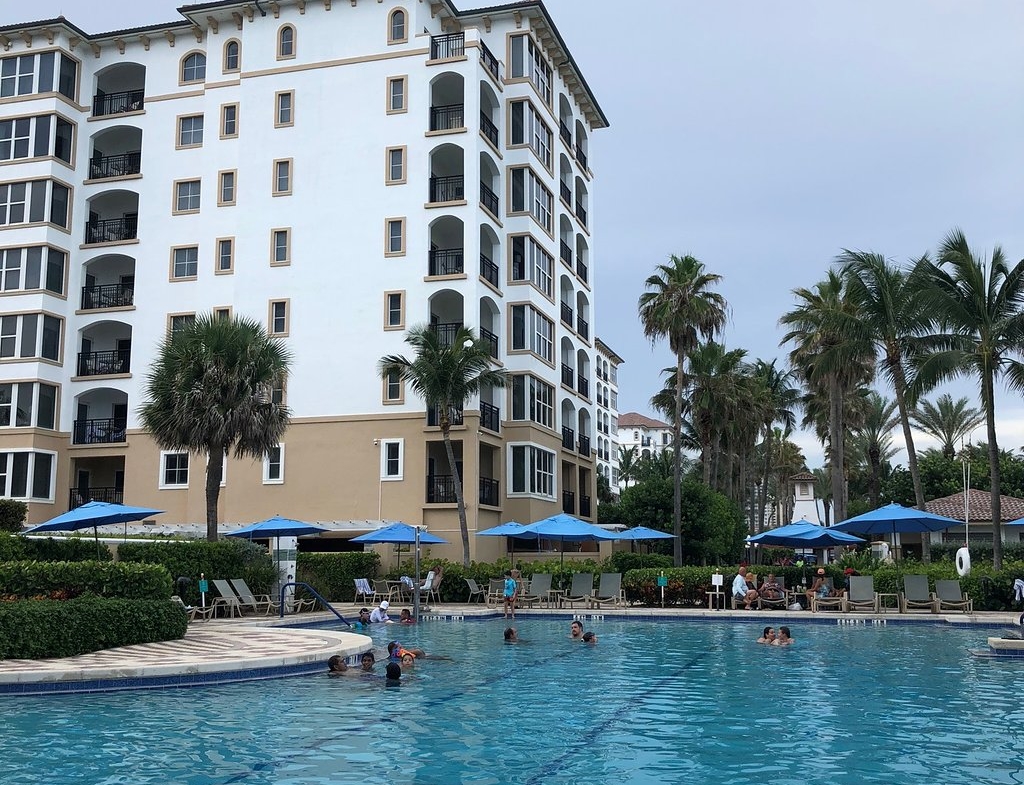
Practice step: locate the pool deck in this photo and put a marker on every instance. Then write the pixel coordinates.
(252, 648)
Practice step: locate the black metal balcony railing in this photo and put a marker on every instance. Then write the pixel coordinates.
(581, 213)
(116, 103)
(583, 386)
(441, 489)
(584, 446)
(583, 328)
(446, 332)
(581, 156)
(489, 199)
(446, 261)
(105, 431)
(115, 165)
(104, 363)
(79, 496)
(447, 118)
(490, 130)
(565, 191)
(489, 338)
(489, 488)
(569, 502)
(444, 46)
(114, 295)
(566, 314)
(584, 506)
(565, 133)
(567, 375)
(488, 270)
(565, 252)
(434, 416)
(489, 61)
(568, 438)
(581, 269)
(447, 189)
(112, 230)
(490, 417)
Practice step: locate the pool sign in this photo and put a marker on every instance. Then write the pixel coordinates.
(204, 586)
(662, 580)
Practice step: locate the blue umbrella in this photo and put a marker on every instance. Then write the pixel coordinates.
(277, 527)
(894, 518)
(93, 514)
(644, 533)
(564, 528)
(804, 534)
(509, 529)
(400, 533)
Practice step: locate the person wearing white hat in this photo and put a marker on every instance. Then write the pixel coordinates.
(380, 614)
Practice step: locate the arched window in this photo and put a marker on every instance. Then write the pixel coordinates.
(396, 27)
(193, 67)
(232, 56)
(286, 42)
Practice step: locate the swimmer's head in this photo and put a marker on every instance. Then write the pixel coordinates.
(589, 637)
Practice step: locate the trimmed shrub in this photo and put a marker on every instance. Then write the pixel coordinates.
(37, 629)
(229, 558)
(12, 515)
(67, 580)
(14, 547)
(980, 551)
(333, 574)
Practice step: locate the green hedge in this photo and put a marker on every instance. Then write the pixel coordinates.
(333, 574)
(980, 552)
(225, 559)
(37, 629)
(67, 580)
(14, 547)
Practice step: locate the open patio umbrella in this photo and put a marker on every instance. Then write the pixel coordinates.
(277, 527)
(564, 528)
(402, 533)
(642, 533)
(510, 530)
(93, 514)
(894, 518)
(804, 534)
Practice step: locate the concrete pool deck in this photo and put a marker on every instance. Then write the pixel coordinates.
(253, 648)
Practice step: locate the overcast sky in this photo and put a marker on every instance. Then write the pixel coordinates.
(764, 137)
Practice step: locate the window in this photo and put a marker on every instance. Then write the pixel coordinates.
(24, 404)
(281, 246)
(27, 475)
(396, 95)
(391, 458)
(28, 73)
(533, 400)
(283, 177)
(232, 56)
(395, 163)
(533, 470)
(193, 67)
(32, 268)
(394, 241)
(222, 314)
(279, 391)
(528, 62)
(225, 256)
(278, 317)
(186, 196)
(226, 188)
(286, 42)
(284, 109)
(229, 121)
(397, 28)
(190, 131)
(394, 389)
(174, 470)
(529, 129)
(532, 331)
(17, 75)
(176, 323)
(532, 263)
(273, 466)
(184, 263)
(29, 336)
(36, 137)
(394, 310)
(38, 201)
(530, 195)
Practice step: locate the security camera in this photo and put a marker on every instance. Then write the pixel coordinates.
(376, 442)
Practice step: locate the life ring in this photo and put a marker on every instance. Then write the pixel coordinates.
(963, 562)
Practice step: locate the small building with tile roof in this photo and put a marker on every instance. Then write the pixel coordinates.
(977, 514)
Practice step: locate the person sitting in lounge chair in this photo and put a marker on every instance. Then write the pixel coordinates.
(771, 590)
(743, 591)
(820, 588)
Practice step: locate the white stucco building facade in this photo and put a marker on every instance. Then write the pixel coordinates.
(608, 363)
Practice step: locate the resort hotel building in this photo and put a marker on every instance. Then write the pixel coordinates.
(341, 171)
(608, 363)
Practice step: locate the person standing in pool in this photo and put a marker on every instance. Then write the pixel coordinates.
(511, 592)
(336, 665)
(363, 622)
(590, 637)
(783, 639)
(393, 675)
(576, 631)
(768, 636)
(511, 636)
(380, 614)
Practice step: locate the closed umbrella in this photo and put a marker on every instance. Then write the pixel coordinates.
(93, 514)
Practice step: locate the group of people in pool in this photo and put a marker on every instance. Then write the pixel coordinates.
(576, 633)
(770, 638)
(401, 659)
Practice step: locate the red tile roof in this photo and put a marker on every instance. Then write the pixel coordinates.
(635, 419)
(979, 506)
(804, 476)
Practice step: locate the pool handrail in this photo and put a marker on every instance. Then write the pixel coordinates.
(316, 594)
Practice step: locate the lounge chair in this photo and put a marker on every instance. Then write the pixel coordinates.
(774, 602)
(475, 589)
(581, 590)
(862, 596)
(262, 603)
(751, 581)
(495, 591)
(539, 590)
(381, 591)
(363, 590)
(950, 596)
(227, 599)
(193, 610)
(825, 603)
(609, 590)
(916, 596)
(429, 588)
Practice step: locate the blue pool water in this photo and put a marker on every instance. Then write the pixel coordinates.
(653, 702)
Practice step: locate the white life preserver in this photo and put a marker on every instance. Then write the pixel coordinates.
(963, 562)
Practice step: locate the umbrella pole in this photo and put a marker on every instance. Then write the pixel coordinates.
(416, 582)
(96, 536)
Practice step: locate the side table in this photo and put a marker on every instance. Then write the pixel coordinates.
(716, 600)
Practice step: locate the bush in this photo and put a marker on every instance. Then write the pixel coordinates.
(67, 580)
(37, 629)
(12, 515)
(229, 558)
(14, 547)
(333, 574)
(624, 561)
(980, 552)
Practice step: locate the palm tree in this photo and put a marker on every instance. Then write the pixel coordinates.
(779, 399)
(872, 441)
(714, 379)
(976, 307)
(947, 421)
(210, 391)
(628, 460)
(446, 374)
(680, 306)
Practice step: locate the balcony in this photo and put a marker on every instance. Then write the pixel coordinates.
(441, 489)
(489, 199)
(489, 492)
(490, 417)
(104, 363)
(584, 446)
(583, 386)
(104, 104)
(110, 430)
(489, 338)
(565, 192)
(584, 506)
(569, 502)
(565, 253)
(447, 118)
(115, 295)
(581, 213)
(446, 331)
(488, 61)
(565, 133)
(581, 270)
(489, 129)
(583, 328)
(447, 189)
(567, 375)
(567, 315)
(112, 230)
(79, 496)
(434, 416)
(446, 261)
(115, 165)
(488, 270)
(581, 156)
(443, 47)
(568, 438)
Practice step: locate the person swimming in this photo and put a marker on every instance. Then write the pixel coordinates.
(576, 631)
(768, 636)
(590, 637)
(511, 635)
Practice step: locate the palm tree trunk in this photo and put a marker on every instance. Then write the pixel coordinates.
(768, 434)
(677, 467)
(214, 474)
(836, 452)
(908, 436)
(460, 498)
(874, 481)
(988, 401)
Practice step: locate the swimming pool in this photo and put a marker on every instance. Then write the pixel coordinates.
(653, 702)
